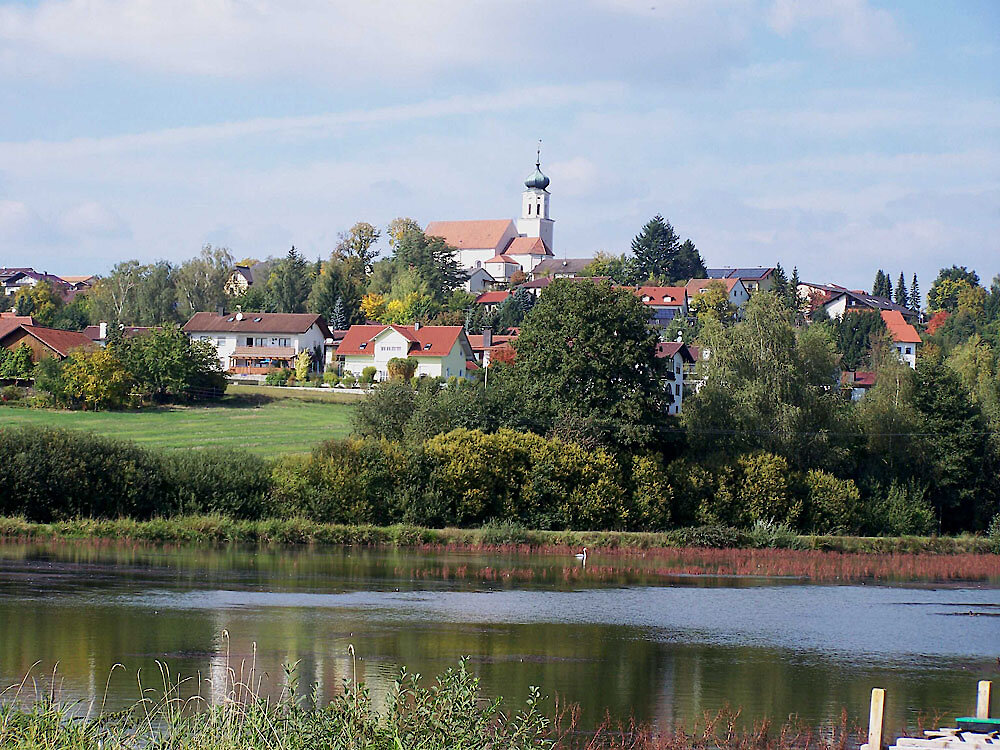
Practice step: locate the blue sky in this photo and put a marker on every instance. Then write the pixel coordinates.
(837, 136)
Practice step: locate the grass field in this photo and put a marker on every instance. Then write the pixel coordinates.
(286, 425)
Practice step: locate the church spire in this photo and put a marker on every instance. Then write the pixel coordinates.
(538, 180)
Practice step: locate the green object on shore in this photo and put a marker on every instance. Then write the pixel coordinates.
(972, 724)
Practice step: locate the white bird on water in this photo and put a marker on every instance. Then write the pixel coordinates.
(582, 556)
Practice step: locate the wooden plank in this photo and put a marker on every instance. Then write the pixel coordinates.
(983, 701)
(875, 716)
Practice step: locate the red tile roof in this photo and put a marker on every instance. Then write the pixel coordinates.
(476, 341)
(208, 322)
(491, 298)
(61, 342)
(658, 295)
(425, 341)
(503, 258)
(485, 234)
(858, 379)
(670, 348)
(694, 286)
(901, 331)
(9, 321)
(527, 246)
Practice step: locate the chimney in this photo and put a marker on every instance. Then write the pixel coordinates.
(416, 325)
(487, 337)
(103, 328)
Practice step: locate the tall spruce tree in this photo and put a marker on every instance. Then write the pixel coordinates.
(338, 317)
(879, 285)
(914, 294)
(289, 286)
(659, 253)
(902, 298)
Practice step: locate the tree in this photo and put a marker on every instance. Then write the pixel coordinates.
(402, 368)
(16, 364)
(588, 349)
(155, 300)
(303, 362)
(398, 228)
(714, 303)
(432, 261)
(619, 268)
(359, 243)
(76, 315)
(914, 294)
(946, 287)
(770, 387)
(902, 298)
(854, 332)
(328, 289)
(660, 254)
(201, 281)
(878, 286)
(164, 363)
(288, 287)
(97, 378)
(41, 301)
(338, 317)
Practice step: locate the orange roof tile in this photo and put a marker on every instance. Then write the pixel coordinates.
(694, 286)
(472, 235)
(425, 341)
(491, 298)
(503, 259)
(901, 331)
(657, 295)
(527, 246)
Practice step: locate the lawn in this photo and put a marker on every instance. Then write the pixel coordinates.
(286, 425)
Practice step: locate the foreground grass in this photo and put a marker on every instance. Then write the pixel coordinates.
(265, 427)
(331, 396)
(450, 713)
(221, 530)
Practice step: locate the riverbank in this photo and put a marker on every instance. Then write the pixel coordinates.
(214, 530)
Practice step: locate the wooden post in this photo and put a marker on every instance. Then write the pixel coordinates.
(875, 719)
(983, 703)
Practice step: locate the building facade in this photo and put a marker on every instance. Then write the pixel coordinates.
(439, 351)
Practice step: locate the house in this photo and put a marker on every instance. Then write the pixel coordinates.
(476, 280)
(11, 320)
(43, 342)
(859, 383)
(527, 241)
(250, 345)
(681, 359)
(753, 279)
(904, 336)
(485, 344)
(242, 277)
(738, 294)
(840, 300)
(440, 351)
(664, 302)
(502, 266)
(99, 333)
(492, 300)
(13, 280)
(560, 268)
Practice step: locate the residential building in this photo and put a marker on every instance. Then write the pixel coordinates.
(738, 294)
(43, 342)
(904, 336)
(502, 266)
(754, 279)
(477, 280)
(250, 345)
(560, 268)
(243, 277)
(492, 300)
(840, 300)
(664, 302)
(99, 333)
(526, 241)
(681, 359)
(440, 351)
(485, 344)
(13, 280)
(858, 383)
(11, 320)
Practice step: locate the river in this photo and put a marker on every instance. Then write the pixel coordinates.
(616, 637)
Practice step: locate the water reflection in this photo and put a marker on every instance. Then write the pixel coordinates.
(629, 641)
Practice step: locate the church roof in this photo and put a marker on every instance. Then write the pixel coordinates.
(480, 234)
(502, 258)
(537, 179)
(527, 246)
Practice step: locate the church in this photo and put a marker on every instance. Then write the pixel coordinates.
(501, 247)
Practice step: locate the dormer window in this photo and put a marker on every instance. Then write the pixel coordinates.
(257, 320)
(363, 344)
(646, 298)
(668, 298)
(427, 347)
(231, 319)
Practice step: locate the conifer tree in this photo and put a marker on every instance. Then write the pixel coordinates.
(902, 298)
(338, 318)
(914, 294)
(659, 253)
(879, 285)
(289, 284)
(887, 292)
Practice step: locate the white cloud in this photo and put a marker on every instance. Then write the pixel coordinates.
(576, 176)
(851, 25)
(94, 219)
(20, 223)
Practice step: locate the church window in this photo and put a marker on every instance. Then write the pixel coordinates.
(529, 209)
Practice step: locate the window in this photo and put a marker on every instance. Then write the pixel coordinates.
(249, 340)
(529, 209)
(677, 389)
(909, 350)
(220, 341)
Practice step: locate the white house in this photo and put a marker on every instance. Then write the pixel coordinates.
(680, 358)
(477, 280)
(904, 336)
(250, 345)
(738, 294)
(527, 242)
(440, 351)
(840, 300)
(754, 279)
(664, 302)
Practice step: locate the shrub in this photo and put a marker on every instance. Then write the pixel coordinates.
(331, 378)
(11, 393)
(385, 411)
(368, 374)
(218, 481)
(833, 505)
(97, 379)
(653, 497)
(402, 368)
(904, 509)
(349, 380)
(49, 475)
(773, 535)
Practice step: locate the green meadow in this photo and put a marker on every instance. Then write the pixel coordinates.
(278, 426)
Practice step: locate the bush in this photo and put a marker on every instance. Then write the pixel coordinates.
(349, 380)
(50, 475)
(904, 509)
(385, 411)
(368, 374)
(772, 535)
(758, 487)
(11, 393)
(652, 493)
(218, 481)
(331, 378)
(833, 505)
(278, 377)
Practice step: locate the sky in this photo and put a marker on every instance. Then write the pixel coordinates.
(838, 137)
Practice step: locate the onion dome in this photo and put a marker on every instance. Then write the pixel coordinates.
(537, 180)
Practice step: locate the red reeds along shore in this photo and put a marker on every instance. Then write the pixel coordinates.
(815, 565)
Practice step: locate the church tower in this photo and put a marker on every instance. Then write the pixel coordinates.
(535, 221)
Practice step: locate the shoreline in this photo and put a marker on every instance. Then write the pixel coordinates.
(218, 530)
